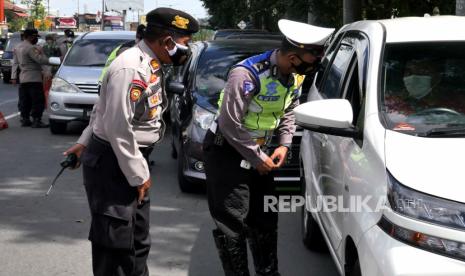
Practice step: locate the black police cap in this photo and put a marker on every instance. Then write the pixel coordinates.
(69, 33)
(31, 32)
(174, 20)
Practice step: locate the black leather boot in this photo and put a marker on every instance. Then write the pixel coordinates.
(264, 247)
(25, 122)
(37, 123)
(233, 254)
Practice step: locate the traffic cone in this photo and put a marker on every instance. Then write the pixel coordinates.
(3, 123)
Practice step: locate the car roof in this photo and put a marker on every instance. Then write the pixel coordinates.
(123, 35)
(416, 29)
(243, 45)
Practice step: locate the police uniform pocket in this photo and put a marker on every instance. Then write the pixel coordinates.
(112, 232)
(90, 159)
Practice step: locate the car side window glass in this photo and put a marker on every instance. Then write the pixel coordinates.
(331, 87)
(329, 53)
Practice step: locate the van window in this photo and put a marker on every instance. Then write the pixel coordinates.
(91, 52)
(331, 87)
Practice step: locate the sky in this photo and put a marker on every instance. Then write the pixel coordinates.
(69, 7)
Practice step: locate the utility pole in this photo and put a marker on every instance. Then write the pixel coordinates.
(103, 15)
(351, 10)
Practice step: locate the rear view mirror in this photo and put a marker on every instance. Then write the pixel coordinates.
(332, 117)
(54, 60)
(175, 87)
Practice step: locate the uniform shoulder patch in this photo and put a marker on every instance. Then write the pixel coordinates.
(247, 87)
(136, 90)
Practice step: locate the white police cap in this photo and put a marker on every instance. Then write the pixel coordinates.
(304, 35)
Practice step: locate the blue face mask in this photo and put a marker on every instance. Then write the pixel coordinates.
(418, 86)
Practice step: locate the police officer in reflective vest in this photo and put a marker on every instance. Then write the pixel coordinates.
(256, 103)
(115, 147)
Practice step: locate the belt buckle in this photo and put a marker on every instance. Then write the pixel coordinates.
(260, 141)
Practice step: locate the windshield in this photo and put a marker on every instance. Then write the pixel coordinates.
(91, 52)
(213, 69)
(12, 43)
(423, 86)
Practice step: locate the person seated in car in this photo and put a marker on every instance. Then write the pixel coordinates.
(423, 90)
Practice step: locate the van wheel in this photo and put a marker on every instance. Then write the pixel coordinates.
(58, 127)
(311, 234)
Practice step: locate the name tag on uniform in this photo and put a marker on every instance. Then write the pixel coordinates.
(154, 100)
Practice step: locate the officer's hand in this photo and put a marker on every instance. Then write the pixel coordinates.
(279, 154)
(76, 149)
(14, 82)
(266, 167)
(143, 189)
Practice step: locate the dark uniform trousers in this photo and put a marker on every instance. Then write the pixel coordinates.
(236, 203)
(119, 230)
(31, 100)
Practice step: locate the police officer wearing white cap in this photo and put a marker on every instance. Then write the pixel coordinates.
(256, 103)
(114, 149)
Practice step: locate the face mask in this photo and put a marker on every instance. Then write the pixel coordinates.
(69, 39)
(417, 86)
(179, 54)
(304, 68)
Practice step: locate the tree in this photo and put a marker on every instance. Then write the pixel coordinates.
(15, 23)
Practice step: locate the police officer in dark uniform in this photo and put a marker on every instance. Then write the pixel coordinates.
(256, 103)
(125, 123)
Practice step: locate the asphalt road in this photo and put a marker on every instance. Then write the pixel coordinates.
(48, 235)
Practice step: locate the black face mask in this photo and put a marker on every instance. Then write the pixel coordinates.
(305, 68)
(181, 54)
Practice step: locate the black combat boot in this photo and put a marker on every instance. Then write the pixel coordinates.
(264, 248)
(37, 123)
(233, 254)
(25, 122)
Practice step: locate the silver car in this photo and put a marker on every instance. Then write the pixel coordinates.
(74, 88)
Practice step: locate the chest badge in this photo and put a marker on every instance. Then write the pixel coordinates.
(154, 65)
(153, 78)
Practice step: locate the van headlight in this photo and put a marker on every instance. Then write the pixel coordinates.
(424, 207)
(421, 206)
(60, 85)
(202, 117)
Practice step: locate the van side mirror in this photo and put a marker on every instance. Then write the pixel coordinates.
(175, 87)
(332, 116)
(54, 60)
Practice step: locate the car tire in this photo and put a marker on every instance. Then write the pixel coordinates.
(58, 127)
(6, 77)
(185, 185)
(311, 233)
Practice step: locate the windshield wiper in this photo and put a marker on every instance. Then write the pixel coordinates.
(94, 64)
(444, 132)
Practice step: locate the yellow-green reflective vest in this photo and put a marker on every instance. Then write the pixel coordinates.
(110, 59)
(271, 98)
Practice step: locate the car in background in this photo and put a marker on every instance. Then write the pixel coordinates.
(74, 88)
(385, 127)
(6, 60)
(268, 36)
(224, 33)
(196, 91)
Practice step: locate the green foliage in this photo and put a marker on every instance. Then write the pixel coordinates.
(377, 9)
(15, 23)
